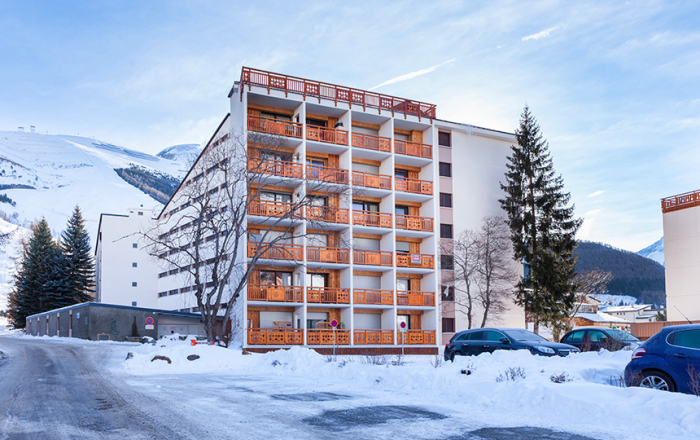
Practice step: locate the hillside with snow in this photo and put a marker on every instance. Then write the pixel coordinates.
(654, 252)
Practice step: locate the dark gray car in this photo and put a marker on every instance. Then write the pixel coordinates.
(487, 340)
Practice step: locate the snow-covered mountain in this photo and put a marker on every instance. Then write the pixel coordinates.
(654, 252)
(185, 153)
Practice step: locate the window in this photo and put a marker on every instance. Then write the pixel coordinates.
(575, 336)
(134, 284)
(140, 212)
(688, 339)
(173, 292)
(403, 247)
(195, 309)
(444, 139)
(493, 336)
(401, 210)
(476, 336)
(134, 265)
(445, 231)
(445, 169)
(133, 303)
(273, 278)
(446, 200)
(162, 294)
(360, 205)
(596, 336)
(448, 292)
(134, 245)
(447, 262)
(448, 325)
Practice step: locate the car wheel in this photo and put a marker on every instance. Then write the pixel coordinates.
(657, 380)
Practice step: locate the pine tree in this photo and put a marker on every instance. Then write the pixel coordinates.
(542, 227)
(79, 264)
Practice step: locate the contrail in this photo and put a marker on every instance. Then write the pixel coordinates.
(412, 74)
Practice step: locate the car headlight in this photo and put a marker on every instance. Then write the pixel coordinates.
(546, 350)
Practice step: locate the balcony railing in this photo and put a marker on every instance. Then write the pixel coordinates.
(373, 296)
(327, 337)
(681, 201)
(327, 214)
(329, 135)
(275, 336)
(416, 261)
(414, 186)
(267, 208)
(274, 126)
(414, 223)
(375, 258)
(274, 168)
(371, 218)
(278, 251)
(324, 254)
(416, 337)
(413, 149)
(373, 337)
(275, 293)
(325, 174)
(371, 142)
(333, 92)
(328, 295)
(371, 180)
(411, 298)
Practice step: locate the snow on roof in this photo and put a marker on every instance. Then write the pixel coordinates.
(601, 317)
(630, 308)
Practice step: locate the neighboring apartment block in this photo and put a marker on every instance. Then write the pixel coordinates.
(681, 218)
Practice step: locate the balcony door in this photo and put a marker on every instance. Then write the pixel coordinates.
(268, 196)
(275, 278)
(316, 280)
(403, 284)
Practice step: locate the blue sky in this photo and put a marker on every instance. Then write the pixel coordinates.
(615, 86)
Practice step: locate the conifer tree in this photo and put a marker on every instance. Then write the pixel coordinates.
(543, 227)
(78, 263)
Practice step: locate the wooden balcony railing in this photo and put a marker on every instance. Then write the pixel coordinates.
(274, 168)
(416, 337)
(327, 214)
(414, 186)
(324, 254)
(328, 295)
(330, 135)
(414, 223)
(411, 298)
(273, 209)
(373, 296)
(376, 258)
(373, 337)
(371, 180)
(416, 261)
(278, 251)
(327, 337)
(413, 149)
(274, 126)
(371, 142)
(333, 92)
(371, 218)
(275, 336)
(275, 293)
(681, 201)
(325, 174)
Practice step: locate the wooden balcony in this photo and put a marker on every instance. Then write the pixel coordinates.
(275, 336)
(274, 126)
(324, 254)
(274, 209)
(416, 337)
(271, 167)
(414, 223)
(275, 293)
(375, 258)
(411, 298)
(373, 337)
(325, 174)
(371, 218)
(415, 261)
(373, 296)
(327, 337)
(413, 149)
(332, 92)
(681, 201)
(414, 186)
(278, 251)
(329, 135)
(327, 214)
(371, 180)
(371, 142)
(328, 295)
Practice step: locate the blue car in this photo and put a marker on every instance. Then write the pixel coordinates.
(669, 361)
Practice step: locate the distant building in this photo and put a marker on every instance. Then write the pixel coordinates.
(633, 312)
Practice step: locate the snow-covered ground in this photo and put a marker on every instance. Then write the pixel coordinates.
(590, 402)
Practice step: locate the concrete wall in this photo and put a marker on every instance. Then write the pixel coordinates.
(682, 257)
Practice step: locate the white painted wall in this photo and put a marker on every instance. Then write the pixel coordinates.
(682, 255)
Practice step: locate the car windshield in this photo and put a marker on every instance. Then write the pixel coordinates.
(523, 335)
(623, 336)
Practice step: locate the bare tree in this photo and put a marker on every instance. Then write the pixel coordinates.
(204, 230)
(588, 283)
(465, 252)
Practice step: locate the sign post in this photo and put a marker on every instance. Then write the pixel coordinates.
(334, 325)
(149, 323)
(402, 329)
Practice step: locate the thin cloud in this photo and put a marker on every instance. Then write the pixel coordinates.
(596, 193)
(412, 75)
(543, 34)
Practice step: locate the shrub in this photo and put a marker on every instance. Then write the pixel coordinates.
(511, 374)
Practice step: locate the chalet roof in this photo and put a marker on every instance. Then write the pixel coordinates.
(601, 317)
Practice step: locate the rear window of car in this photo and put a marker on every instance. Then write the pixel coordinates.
(476, 336)
(620, 335)
(685, 338)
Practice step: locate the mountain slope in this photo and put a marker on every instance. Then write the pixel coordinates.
(654, 252)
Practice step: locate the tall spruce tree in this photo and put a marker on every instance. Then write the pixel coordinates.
(543, 227)
(78, 263)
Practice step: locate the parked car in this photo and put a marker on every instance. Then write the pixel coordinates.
(669, 361)
(488, 340)
(597, 338)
